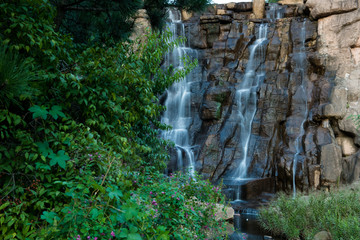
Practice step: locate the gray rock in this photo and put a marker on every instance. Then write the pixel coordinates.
(323, 235)
(351, 168)
(337, 107)
(331, 163)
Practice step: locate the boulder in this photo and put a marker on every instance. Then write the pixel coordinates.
(351, 168)
(259, 8)
(185, 15)
(337, 107)
(347, 145)
(224, 212)
(324, 8)
(331, 163)
(338, 38)
(141, 25)
(323, 235)
(348, 124)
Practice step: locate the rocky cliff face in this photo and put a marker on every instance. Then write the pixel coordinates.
(329, 146)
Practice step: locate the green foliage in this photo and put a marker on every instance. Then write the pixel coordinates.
(15, 77)
(157, 9)
(336, 212)
(184, 205)
(73, 155)
(112, 18)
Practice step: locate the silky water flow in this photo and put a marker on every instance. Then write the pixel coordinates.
(178, 101)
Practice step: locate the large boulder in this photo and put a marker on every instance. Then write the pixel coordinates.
(331, 163)
(347, 145)
(338, 41)
(324, 8)
(259, 8)
(337, 107)
(141, 25)
(351, 168)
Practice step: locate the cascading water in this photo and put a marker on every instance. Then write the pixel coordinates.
(178, 102)
(300, 66)
(275, 11)
(246, 96)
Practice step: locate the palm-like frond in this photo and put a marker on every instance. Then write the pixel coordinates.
(15, 75)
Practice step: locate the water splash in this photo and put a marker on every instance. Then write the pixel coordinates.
(178, 102)
(246, 95)
(300, 65)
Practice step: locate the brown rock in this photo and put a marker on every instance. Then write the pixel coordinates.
(224, 12)
(347, 145)
(290, 2)
(240, 7)
(141, 25)
(324, 8)
(338, 38)
(210, 110)
(259, 8)
(185, 16)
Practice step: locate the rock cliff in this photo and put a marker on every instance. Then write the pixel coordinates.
(329, 146)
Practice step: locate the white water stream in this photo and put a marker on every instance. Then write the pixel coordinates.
(246, 96)
(178, 102)
(300, 61)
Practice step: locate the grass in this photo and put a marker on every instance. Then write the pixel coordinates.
(337, 212)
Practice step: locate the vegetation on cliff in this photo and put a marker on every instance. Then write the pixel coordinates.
(80, 156)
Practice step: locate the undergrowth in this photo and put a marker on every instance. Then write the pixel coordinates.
(337, 212)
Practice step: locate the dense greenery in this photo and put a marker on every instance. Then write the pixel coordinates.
(97, 20)
(80, 156)
(336, 212)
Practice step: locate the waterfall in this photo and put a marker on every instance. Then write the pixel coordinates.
(275, 11)
(300, 64)
(178, 102)
(246, 95)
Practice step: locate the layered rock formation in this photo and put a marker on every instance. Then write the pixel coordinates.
(329, 146)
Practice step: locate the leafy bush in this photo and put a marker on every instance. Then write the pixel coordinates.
(186, 206)
(336, 212)
(74, 155)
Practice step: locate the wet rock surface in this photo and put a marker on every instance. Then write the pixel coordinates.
(329, 146)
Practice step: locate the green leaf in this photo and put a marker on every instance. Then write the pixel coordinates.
(39, 112)
(94, 213)
(40, 165)
(124, 232)
(134, 236)
(4, 205)
(114, 193)
(49, 217)
(56, 112)
(60, 158)
(130, 213)
(44, 148)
